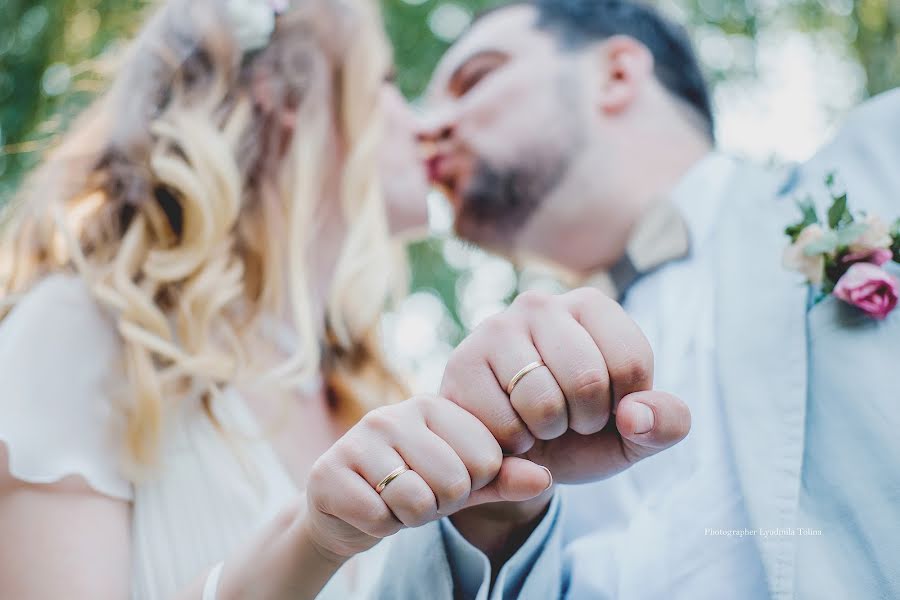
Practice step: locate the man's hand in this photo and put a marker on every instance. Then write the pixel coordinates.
(589, 413)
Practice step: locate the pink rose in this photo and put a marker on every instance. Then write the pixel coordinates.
(868, 288)
(877, 256)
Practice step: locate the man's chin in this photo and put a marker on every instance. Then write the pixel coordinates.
(484, 234)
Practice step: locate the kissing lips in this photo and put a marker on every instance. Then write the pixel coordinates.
(444, 175)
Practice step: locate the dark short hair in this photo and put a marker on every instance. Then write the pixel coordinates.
(576, 23)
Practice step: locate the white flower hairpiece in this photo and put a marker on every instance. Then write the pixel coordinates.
(254, 21)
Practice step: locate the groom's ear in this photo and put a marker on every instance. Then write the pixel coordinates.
(625, 65)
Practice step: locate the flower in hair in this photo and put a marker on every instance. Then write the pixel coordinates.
(844, 256)
(253, 21)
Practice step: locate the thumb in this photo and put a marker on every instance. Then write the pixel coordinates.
(518, 480)
(652, 421)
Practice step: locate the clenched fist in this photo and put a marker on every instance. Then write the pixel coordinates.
(406, 465)
(555, 382)
(589, 410)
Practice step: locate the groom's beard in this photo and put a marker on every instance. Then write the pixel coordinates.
(498, 203)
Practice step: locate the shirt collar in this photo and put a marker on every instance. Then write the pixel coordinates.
(699, 192)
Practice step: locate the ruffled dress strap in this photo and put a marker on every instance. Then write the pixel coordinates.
(60, 363)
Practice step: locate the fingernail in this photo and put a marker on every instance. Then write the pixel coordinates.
(549, 477)
(643, 418)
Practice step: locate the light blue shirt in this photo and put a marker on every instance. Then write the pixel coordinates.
(435, 562)
(808, 452)
(472, 570)
(681, 510)
(652, 531)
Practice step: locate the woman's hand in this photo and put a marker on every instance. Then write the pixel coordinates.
(453, 461)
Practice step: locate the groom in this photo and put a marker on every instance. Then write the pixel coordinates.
(580, 133)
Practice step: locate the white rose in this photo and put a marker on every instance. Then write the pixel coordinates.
(795, 259)
(253, 22)
(877, 235)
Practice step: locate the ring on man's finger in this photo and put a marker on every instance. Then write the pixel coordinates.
(522, 373)
(391, 477)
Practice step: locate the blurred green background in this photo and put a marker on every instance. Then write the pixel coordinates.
(783, 70)
(45, 45)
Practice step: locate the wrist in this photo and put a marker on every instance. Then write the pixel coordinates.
(288, 562)
(308, 539)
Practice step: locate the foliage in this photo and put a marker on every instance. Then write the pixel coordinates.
(841, 240)
(49, 51)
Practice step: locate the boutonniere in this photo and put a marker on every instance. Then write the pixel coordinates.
(843, 255)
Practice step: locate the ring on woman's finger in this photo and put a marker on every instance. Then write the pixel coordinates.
(521, 374)
(390, 477)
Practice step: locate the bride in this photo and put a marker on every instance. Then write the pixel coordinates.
(191, 285)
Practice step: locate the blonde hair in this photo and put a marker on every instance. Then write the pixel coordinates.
(186, 197)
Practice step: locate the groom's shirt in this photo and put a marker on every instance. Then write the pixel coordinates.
(674, 525)
(810, 408)
(661, 524)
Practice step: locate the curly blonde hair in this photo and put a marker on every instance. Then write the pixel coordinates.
(186, 196)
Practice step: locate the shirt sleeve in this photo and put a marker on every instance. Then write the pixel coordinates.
(534, 571)
(59, 353)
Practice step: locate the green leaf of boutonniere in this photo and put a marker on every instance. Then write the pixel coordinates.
(828, 244)
(809, 217)
(838, 215)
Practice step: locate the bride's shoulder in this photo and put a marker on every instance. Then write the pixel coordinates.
(60, 366)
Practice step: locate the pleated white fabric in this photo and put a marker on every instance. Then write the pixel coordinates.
(216, 486)
(213, 493)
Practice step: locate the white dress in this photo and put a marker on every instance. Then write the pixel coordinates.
(59, 356)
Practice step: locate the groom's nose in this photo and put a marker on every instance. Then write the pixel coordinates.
(435, 134)
(436, 128)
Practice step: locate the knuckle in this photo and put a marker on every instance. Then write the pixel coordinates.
(460, 353)
(643, 351)
(423, 404)
(373, 512)
(588, 298)
(326, 469)
(512, 435)
(421, 508)
(455, 493)
(591, 384)
(453, 372)
(546, 407)
(376, 519)
(385, 526)
(487, 467)
(497, 326)
(633, 374)
(533, 300)
(382, 419)
(592, 407)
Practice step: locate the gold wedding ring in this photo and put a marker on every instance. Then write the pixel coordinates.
(390, 477)
(522, 373)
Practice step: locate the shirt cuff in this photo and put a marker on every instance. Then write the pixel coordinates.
(472, 570)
